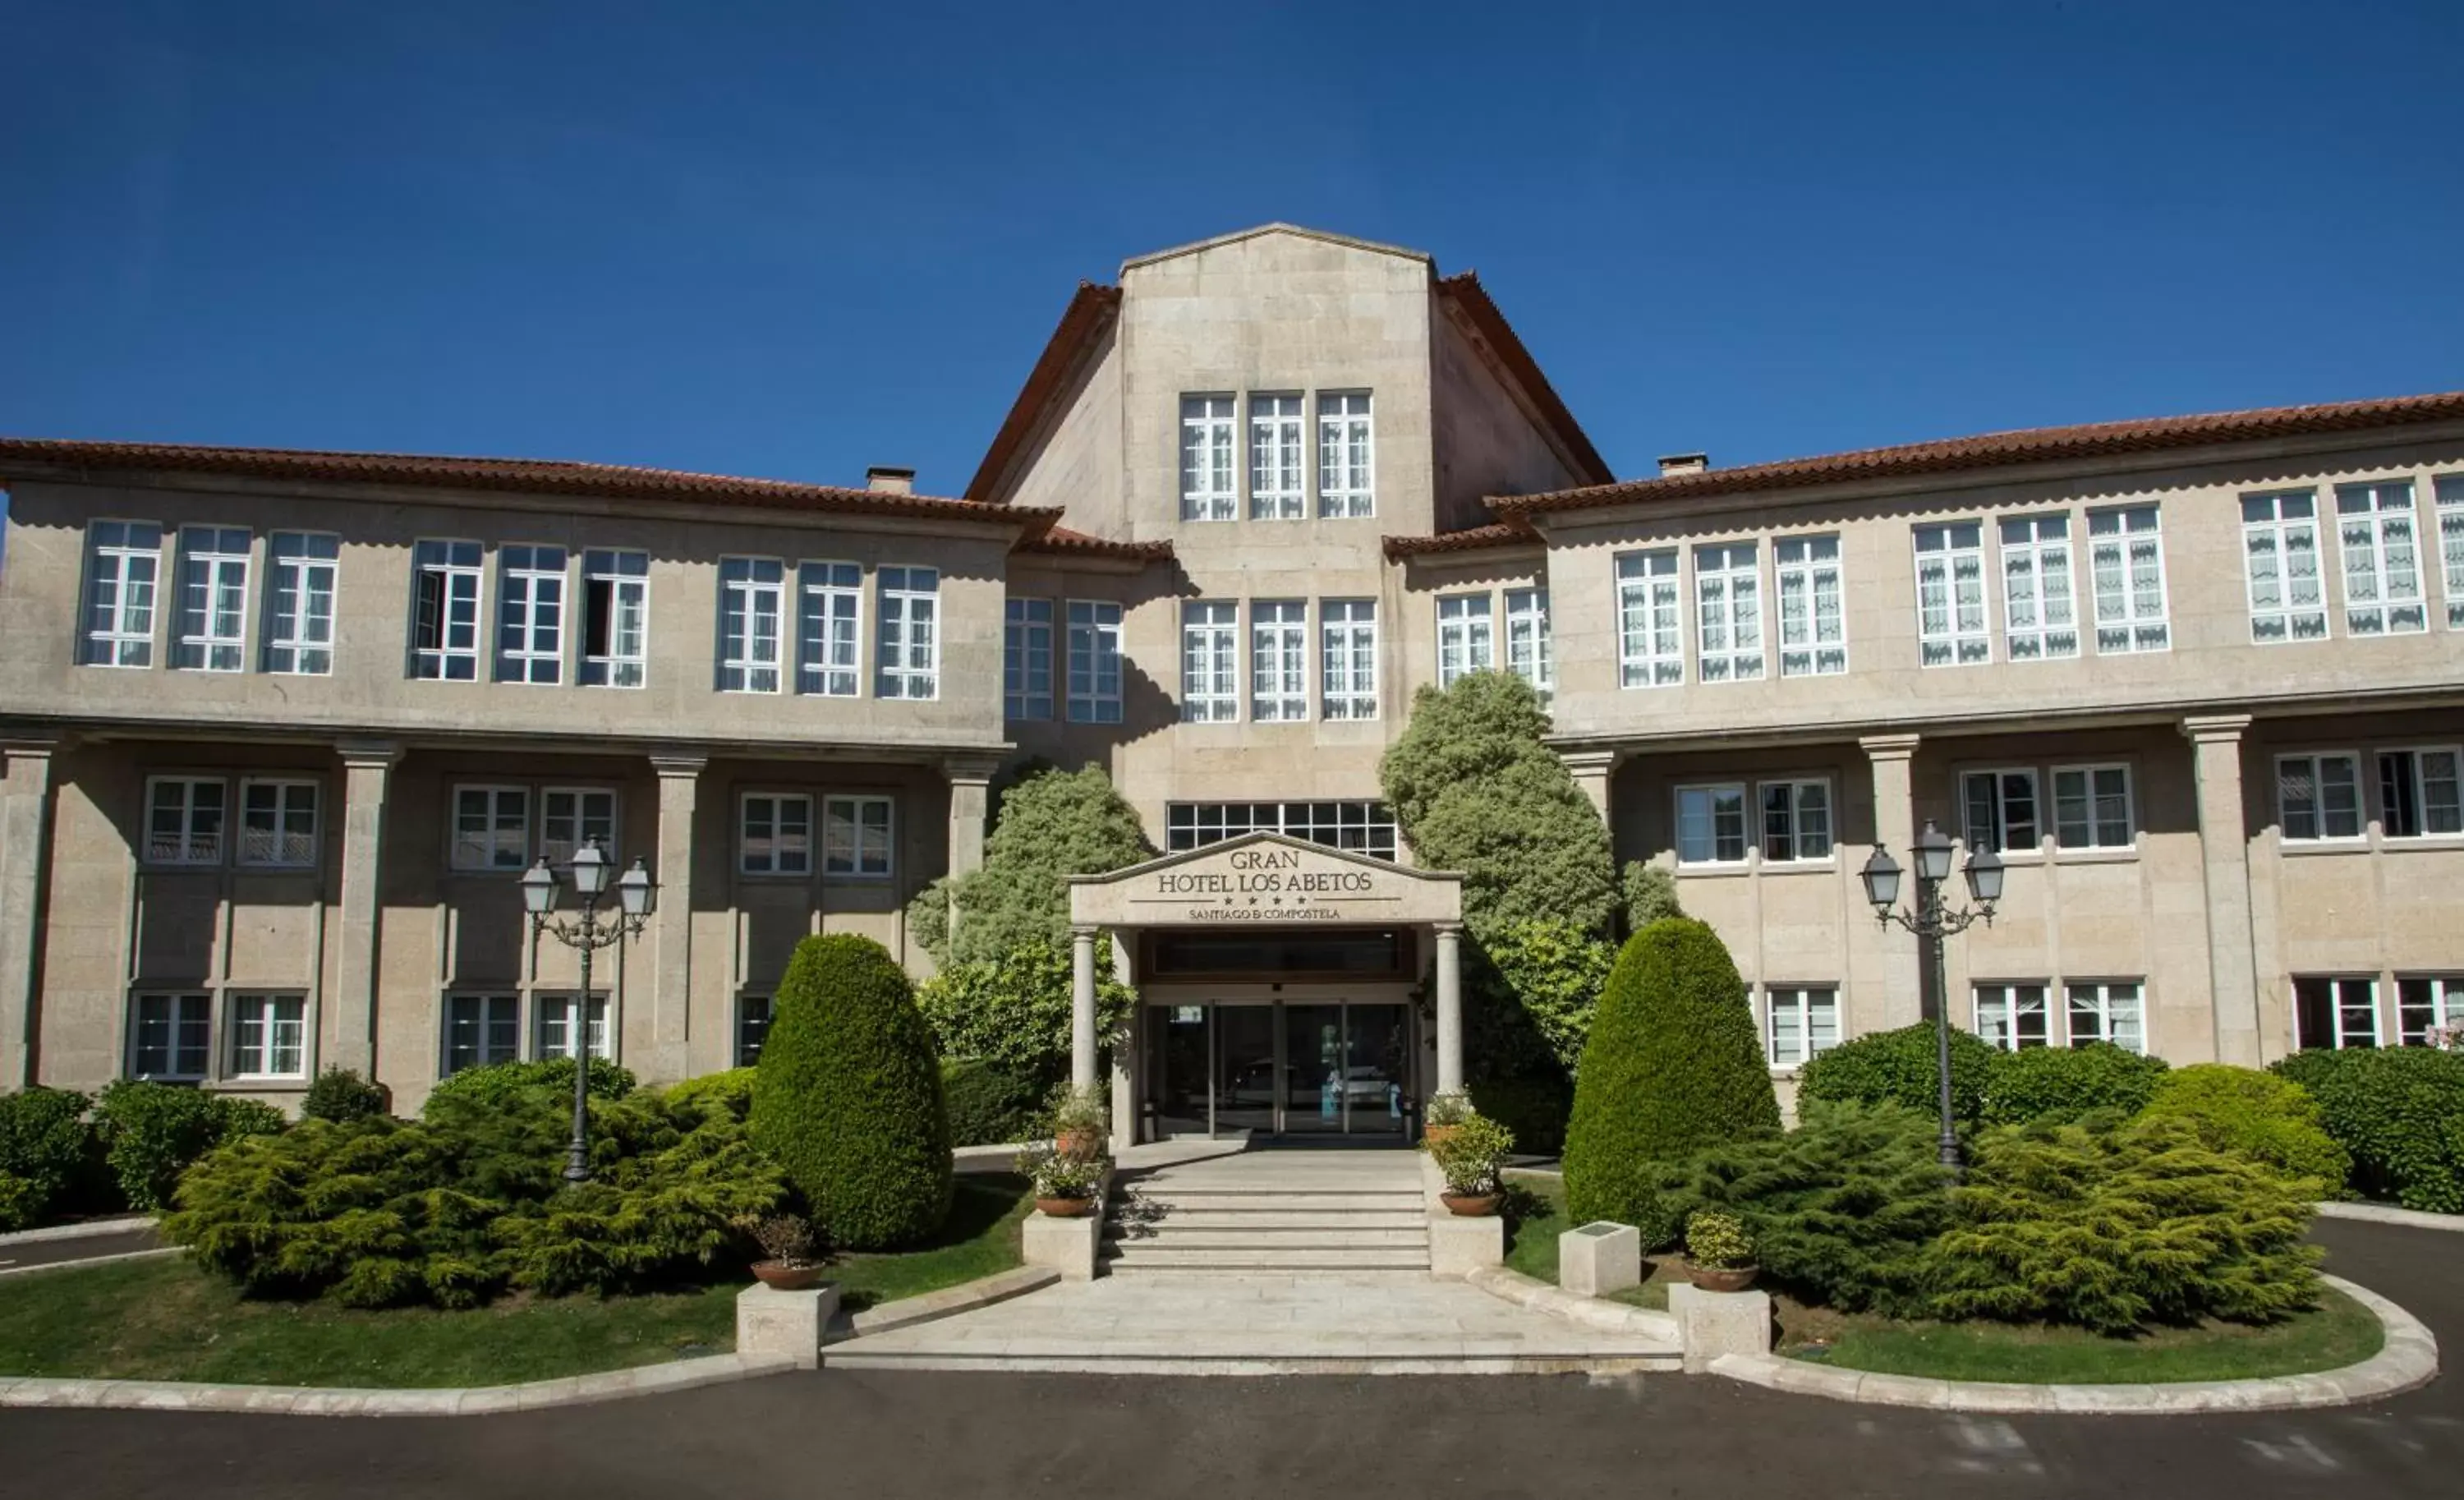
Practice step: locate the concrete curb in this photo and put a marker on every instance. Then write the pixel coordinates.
(91, 1229)
(1615, 1317)
(2383, 1213)
(93, 1260)
(681, 1375)
(2408, 1361)
(948, 1302)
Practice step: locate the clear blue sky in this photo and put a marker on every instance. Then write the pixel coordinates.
(794, 240)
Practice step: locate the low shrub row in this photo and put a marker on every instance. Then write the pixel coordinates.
(63, 1152)
(2400, 1112)
(1988, 1086)
(990, 1104)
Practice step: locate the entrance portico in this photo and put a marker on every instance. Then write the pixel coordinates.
(1279, 986)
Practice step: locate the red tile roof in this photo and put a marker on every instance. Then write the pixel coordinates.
(1090, 309)
(1476, 538)
(1998, 450)
(1464, 291)
(1066, 541)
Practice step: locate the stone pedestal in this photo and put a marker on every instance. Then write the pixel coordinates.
(1715, 1323)
(1067, 1245)
(1458, 1245)
(1598, 1258)
(772, 1323)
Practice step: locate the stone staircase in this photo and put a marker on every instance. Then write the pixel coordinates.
(1295, 1209)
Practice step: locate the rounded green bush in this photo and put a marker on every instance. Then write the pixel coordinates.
(1535, 1105)
(45, 1146)
(150, 1133)
(498, 1082)
(990, 1104)
(340, 1095)
(2057, 1084)
(2258, 1114)
(848, 1096)
(1673, 1064)
(2400, 1112)
(1899, 1068)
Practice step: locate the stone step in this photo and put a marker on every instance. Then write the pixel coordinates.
(1136, 1255)
(1278, 1201)
(1269, 1219)
(1314, 1237)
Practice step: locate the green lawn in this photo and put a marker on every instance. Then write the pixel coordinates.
(166, 1320)
(1532, 1242)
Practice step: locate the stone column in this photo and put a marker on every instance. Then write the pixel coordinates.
(25, 816)
(1451, 1044)
(2224, 852)
(1082, 1007)
(1895, 829)
(1594, 770)
(366, 767)
(970, 794)
(671, 923)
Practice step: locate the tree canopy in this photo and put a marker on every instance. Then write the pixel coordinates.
(1052, 823)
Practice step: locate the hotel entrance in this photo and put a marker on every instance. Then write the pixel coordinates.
(1220, 1069)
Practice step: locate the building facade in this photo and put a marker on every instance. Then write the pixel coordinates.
(283, 727)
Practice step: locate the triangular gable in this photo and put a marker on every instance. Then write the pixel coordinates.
(1267, 878)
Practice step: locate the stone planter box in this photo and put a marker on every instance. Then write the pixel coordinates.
(1598, 1258)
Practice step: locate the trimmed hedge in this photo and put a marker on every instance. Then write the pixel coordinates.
(1535, 1105)
(2062, 1084)
(2400, 1112)
(151, 1131)
(848, 1096)
(989, 1104)
(1674, 1064)
(340, 1095)
(45, 1153)
(2259, 1115)
(1899, 1068)
(498, 1082)
(1013, 1010)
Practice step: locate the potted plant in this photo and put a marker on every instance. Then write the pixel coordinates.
(1081, 1121)
(793, 1260)
(1446, 1114)
(1472, 1155)
(1719, 1252)
(1065, 1183)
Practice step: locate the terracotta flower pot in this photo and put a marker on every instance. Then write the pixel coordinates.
(1722, 1278)
(781, 1276)
(1064, 1207)
(1470, 1205)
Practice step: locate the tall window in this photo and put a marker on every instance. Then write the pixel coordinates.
(481, 1031)
(2040, 615)
(1797, 821)
(855, 836)
(1210, 662)
(615, 619)
(774, 835)
(1026, 658)
(2382, 565)
(1345, 456)
(1367, 826)
(1278, 661)
(571, 816)
(1527, 639)
(829, 649)
(529, 614)
(1206, 458)
(2092, 806)
(1094, 662)
(2012, 1016)
(213, 599)
(2126, 559)
(2001, 810)
(751, 599)
(2451, 544)
(269, 1035)
(1347, 635)
(300, 607)
(122, 557)
(1467, 637)
(1801, 1024)
(2335, 1012)
(2319, 796)
(908, 666)
(184, 820)
(2279, 541)
(2419, 793)
(1728, 612)
(1950, 595)
(2107, 1013)
(445, 612)
(555, 1015)
(492, 828)
(174, 1038)
(1711, 825)
(1651, 632)
(277, 824)
(1278, 468)
(1813, 630)
(752, 1027)
(2424, 1008)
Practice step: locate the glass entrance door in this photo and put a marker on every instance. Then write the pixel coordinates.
(1346, 1067)
(1330, 1068)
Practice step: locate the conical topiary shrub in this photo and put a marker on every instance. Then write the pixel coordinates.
(848, 1096)
(1673, 1064)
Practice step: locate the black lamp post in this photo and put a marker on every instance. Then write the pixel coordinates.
(1932, 922)
(591, 931)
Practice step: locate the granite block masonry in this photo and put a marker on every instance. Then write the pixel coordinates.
(1599, 1257)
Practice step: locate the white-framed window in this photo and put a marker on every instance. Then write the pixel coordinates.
(751, 600)
(829, 630)
(2040, 609)
(1347, 658)
(909, 663)
(1346, 455)
(1278, 459)
(2331, 1011)
(1467, 637)
(775, 835)
(752, 1027)
(2418, 794)
(269, 1035)
(1950, 595)
(855, 835)
(2426, 1006)
(1711, 825)
(2126, 561)
(615, 618)
(1651, 623)
(1026, 658)
(569, 816)
(301, 572)
(1797, 821)
(2319, 796)
(1728, 612)
(2092, 806)
(2112, 1011)
(123, 561)
(2280, 541)
(492, 828)
(2012, 1016)
(170, 1037)
(213, 599)
(1206, 474)
(2374, 530)
(530, 613)
(481, 1031)
(1800, 1024)
(2451, 546)
(1094, 662)
(277, 823)
(554, 1025)
(184, 819)
(2000, 810)
(1278, 661)
(1210, 661)
(1366, 827)
(1813, 620)
(1527, 640)
(445, 612)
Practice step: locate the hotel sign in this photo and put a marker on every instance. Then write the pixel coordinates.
(1265, 879)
